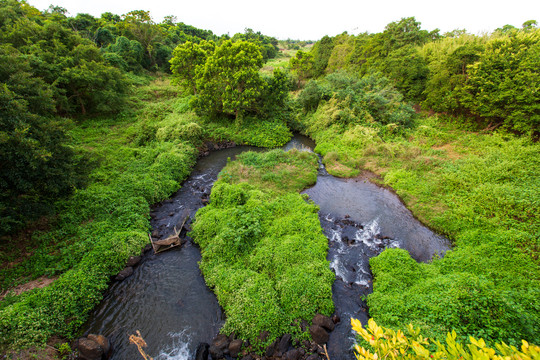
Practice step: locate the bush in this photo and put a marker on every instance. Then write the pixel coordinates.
(383, 343)
(263, 252)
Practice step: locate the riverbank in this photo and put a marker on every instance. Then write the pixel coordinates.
(481, 190)
(136, 159)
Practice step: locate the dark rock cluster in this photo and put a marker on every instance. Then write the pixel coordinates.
(208, 146)
(228, 347)
(128, 270)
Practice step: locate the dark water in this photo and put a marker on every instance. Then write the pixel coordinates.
(166, 297)
(360, 220)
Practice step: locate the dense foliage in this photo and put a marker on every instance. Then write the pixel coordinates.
(226, 79)
(100, 171)
(381, 343)
(263, 251)
(340, 108)
(97, 229)
(479, 190)
(493, 77)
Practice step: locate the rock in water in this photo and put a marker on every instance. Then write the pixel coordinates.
(318, 334)
(234, 348)
(89, 349)
(124, 273)
(323, 321)
(133, 260)
(102, 341)
(202, 351)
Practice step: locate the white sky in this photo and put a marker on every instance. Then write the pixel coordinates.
(311, 20)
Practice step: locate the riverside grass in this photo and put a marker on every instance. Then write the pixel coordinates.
(138, 158)
(482, 190)
(263, 250)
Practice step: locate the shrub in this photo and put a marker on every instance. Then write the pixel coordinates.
(383, 343)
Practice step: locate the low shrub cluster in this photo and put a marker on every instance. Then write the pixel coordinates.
(344, 113)
(263, 251)
(381, 343)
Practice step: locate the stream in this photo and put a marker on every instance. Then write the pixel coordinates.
(166, 298)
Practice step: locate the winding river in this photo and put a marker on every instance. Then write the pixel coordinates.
(166, 297)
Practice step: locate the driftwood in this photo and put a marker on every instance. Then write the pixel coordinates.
(139, 341)
(171, 241)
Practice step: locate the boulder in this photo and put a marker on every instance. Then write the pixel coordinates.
(313, 357)
(133, 260)
(124, 273)
(89, 349)
(336, 318)
(202, 351)
(247, 357)
(323, 321)
(221, 341)
(216, 353)
(293, 354)
(234, 348)
(318, 334)
(102, 341)
(155, 233)
(271, 349)
(284, 343)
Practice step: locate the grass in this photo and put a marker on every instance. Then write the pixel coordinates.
(277, 171)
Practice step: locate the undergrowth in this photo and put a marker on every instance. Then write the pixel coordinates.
(482, 190)
(138, 158)
(263, 250)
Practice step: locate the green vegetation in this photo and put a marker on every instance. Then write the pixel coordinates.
(493, 77)
(263, 251)
(91, 136)
(226, 79)
(96, 230)
(388, 344)
(341, 109)
(481, 190)
(130, 145)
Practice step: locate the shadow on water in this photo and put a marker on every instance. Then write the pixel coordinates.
(166, 298)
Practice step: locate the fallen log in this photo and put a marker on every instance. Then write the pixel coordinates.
(171, 241)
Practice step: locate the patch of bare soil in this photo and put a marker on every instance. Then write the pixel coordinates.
(37, 283)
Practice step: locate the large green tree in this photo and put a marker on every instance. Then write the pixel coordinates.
(504, 85)
(187, 62)
(37, 166)
(230, 82)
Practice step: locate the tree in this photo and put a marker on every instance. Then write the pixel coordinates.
(406, 67)
(448, 62)
(529, 25)
(504, 85)
(230, 82)
(187, 60)
(321, 51)
(138, 25)
(302, 65)
(37, 166)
